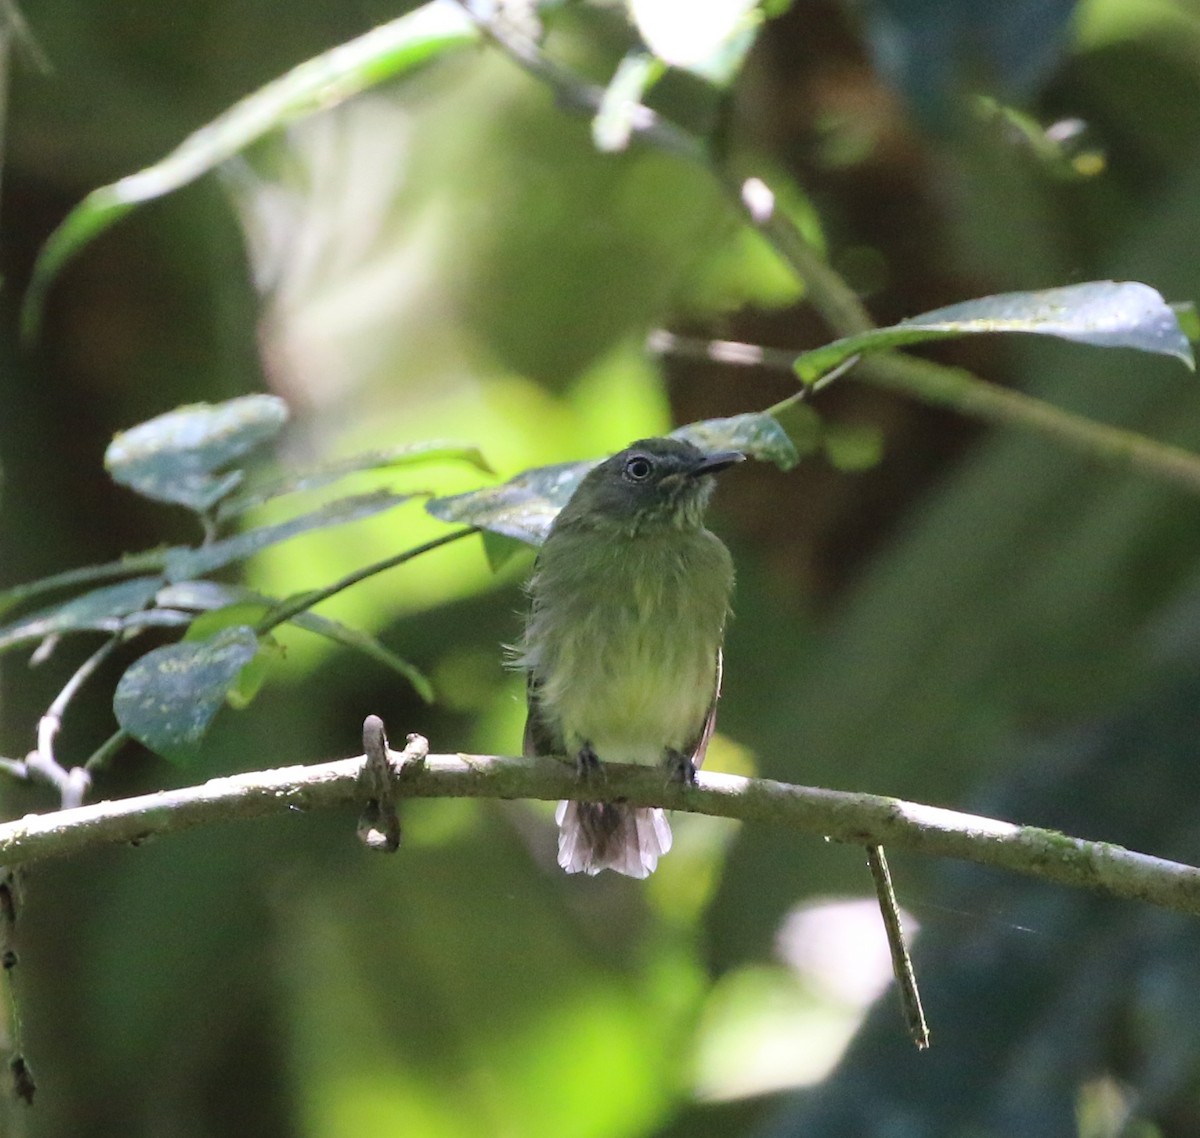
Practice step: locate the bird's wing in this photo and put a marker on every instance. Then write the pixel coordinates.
(710, 719)
(540, 737)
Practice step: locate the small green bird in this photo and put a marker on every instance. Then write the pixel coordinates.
(622, 646)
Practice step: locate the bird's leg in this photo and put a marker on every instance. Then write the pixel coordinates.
(680, 767)
(587, 764)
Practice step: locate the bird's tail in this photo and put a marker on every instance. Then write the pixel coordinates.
(602, 835)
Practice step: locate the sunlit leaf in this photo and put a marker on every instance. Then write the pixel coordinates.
(168, 698)
(240, 612)
(100, 610)
(367, 644)
(521, 508)
(250, 680)
(500, 550)
(1189, 320)
(524, 507)
(803, 426)
(409, 454)
(315, 85)
(176, 457)
(1109, 314)
(756, 435)
(183, 563)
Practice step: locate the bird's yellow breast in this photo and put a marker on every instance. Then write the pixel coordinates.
(625, 645)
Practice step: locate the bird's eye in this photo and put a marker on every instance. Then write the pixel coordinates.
(638, 468)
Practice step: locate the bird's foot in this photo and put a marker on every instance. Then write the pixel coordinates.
(587, 764)
(680, 768)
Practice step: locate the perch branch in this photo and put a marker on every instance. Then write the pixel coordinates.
(858, 819)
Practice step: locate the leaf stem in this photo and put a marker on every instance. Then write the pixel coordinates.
(293, 606)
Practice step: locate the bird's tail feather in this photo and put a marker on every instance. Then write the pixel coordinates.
(602, 835)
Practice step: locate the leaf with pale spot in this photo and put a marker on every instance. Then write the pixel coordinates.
(177, 457)
(168, 698)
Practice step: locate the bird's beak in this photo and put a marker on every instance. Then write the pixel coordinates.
(719, 460)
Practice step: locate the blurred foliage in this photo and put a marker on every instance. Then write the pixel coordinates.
(449, 256)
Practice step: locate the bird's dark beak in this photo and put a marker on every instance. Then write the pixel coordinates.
(718, 461)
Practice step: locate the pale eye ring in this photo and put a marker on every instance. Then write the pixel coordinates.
(638, 468)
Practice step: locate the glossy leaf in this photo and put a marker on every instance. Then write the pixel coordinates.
(409, 454)
(184, 563)
(100, 610)
(523, 507)
(1109, 314)
(177, 457)
(168, 698)
(315, 85)
(756, 435)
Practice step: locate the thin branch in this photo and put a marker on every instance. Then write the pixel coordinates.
(304, 601)
(969, 395)
(902, 966)
(857, 819)
(827, 291)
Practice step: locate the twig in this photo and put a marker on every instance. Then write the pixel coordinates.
(304, 601)
(857, 819)
(839, 305)
(902, 967)
(72, 785)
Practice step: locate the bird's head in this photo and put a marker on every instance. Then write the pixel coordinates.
(652, 482)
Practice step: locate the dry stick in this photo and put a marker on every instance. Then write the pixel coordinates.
(902, 968)
(857, 819)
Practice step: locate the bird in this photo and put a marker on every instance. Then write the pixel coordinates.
(622, 645)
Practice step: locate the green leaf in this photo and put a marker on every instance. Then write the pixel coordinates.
(367, 644)
(240, 612)
(1189, 320)
(1109, 314)
(135, 563)
(168, 698)
(315, 85)
(757, 435)
(224, 604)
(802, 424)
(100, 610)
(175, 457)
(250, 679)
(184, 563)
(523, 507)
(409, 454)
(499, 550)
